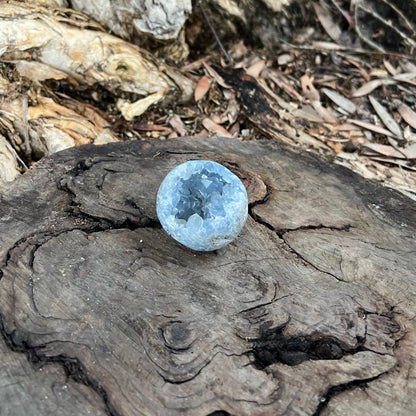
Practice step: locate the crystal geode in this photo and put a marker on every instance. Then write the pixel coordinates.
(202, 205)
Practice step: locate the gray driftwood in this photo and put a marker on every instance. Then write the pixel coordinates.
(309, 312)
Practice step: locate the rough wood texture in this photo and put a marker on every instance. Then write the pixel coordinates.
(310, 311)
(161, 19)
(33, 389)
(80, 49)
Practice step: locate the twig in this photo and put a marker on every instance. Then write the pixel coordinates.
(316, 47)
(387, 23)
(226, 54)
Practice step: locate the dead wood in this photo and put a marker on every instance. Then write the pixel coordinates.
(9, 165)
(82, 51)
(129, 18)
(45, 127)
(311, 307)
(33, 388)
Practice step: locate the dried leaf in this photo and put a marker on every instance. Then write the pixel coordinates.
(371, 86)
(327, 22)
(399, 179)
(323, 112)
(235, 129)
(216, 76)
(308, 113)
(215, 128)
(346, 127)
(151, 127)
(371, 127)
(384, 150)
(389, 67)
(340, 100)
(408, 135)
(308, 89)
(385, 117)
(219, 118)
(400, 162)
(255, 69)
(106, 136)
(282, 83)
(410, 151)
(306, 139)
(378, 73)
(195, 65)
(327, 46)
(409, 116)
(88, 111)
(203, 134)
(173, 135)
(406, 77)
(176, 122)
(202, 87)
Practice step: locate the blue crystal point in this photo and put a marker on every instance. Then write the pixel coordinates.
(202, 205)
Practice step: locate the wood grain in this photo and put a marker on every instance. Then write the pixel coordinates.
(310, 308)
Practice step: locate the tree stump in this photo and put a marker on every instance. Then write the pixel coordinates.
(309, 311)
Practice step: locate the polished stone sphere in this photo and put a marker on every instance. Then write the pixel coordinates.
(202, 205)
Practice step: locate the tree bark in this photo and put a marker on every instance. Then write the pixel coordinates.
(309, 311)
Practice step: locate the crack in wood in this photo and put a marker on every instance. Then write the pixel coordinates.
(73, 368)
(281, 233)
(305, 261)
(333, 391)
(87, 227)
(274, 347)
(345, 227)
(143, 221)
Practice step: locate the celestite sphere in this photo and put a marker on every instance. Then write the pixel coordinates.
(202, 205)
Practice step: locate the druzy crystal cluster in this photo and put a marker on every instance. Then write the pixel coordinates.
(202, 205)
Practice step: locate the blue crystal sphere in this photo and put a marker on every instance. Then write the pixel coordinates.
(202, 205)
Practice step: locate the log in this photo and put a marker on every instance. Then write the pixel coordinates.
(31, 388)
(310, 311)
(129, 18)
(152, 25)
(79, 48)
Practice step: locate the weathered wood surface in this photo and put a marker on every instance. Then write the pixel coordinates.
(81, 50)
(128, 18)
(310, 311)
(30, 389)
